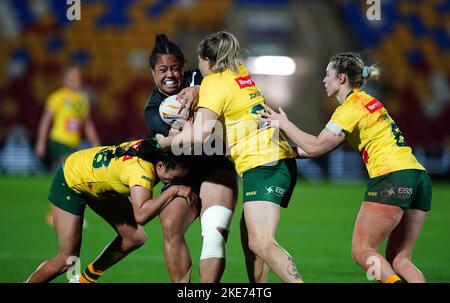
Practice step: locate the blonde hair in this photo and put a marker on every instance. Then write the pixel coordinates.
(353, 66)
(222, 48)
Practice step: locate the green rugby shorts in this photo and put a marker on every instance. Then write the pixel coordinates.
(272, 182)
(409, 188)
(62, 196)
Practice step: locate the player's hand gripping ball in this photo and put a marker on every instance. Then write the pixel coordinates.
(168, 110)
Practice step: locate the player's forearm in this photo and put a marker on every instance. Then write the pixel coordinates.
(152, 207)
(42, 137)
(301, 153)
(44, 127)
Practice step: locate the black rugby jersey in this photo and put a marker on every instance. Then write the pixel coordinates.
(153, 122)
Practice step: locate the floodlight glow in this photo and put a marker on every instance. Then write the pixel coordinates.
(271, 65)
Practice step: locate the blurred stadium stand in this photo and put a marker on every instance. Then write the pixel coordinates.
(113, 39)
(112, 42)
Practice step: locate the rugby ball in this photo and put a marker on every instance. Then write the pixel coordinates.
(168, 111)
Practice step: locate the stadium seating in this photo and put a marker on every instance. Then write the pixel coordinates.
(112, 42)
(114, 38)
(412, 45)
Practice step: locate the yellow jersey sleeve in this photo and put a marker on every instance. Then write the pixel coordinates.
(135, 174)
(347, 116)
(213, 95)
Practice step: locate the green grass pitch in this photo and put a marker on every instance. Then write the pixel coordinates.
(316, 229)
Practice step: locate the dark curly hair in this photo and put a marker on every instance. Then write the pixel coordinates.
(164, 47)
(148, 150)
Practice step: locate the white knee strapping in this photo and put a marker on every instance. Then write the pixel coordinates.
(213, 241)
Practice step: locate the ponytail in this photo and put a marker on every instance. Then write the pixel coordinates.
(372, 72)
(149, 150)
(353, 66)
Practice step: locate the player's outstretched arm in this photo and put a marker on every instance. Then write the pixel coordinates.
(313, 146)
(301, 153)
(44, 127)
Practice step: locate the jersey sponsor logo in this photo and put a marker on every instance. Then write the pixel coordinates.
(373, 106)
(275, 190)
(244, 82)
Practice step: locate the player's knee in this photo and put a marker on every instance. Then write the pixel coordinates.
(215, 223)
(358, 253)
(170, 228)
(134, 240)
(362, 253)
(174, 224)
(399, 261)
(260, 245)
(168, 225)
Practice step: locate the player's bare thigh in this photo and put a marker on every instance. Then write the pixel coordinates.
(374, 223)
(68, 228)
(178, 214)
(404, 236)
(220, 188)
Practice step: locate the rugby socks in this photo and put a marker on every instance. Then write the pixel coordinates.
(393, 279)
(90, 275)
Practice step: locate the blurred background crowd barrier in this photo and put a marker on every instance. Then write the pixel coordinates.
(285, 44)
